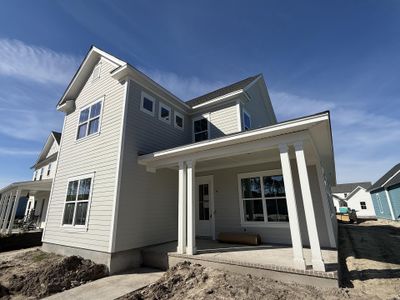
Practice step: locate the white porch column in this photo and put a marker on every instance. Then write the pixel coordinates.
(191, 228)
(317, 261)
(390, 205)
(327, 209)
(14, 211)
(7, 212)
(182, 209)
(297, 244)
(3, 208)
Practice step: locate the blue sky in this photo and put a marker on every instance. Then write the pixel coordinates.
(315, 55)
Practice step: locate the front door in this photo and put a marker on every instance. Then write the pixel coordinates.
(205, 207)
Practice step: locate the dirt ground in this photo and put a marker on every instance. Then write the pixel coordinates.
(34, 274)
(369, 254)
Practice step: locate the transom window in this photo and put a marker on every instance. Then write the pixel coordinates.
(77, 202)
(178, 123)
(363, 205)
(147, 104)
(89, 120)
(262, 198)
(246, 121)
(200, 129)
(164, 113)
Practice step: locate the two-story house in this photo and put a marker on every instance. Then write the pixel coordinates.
(29, 200)
(137, 166)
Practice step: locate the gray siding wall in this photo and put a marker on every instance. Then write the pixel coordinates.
(223, 119)
(99, 154)
(226, 198)
(147, 209)
(257, 108)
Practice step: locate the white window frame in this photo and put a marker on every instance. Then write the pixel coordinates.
(101, 99)
(72, 226)
(41, 173)
(178, 114)
(204, 116)
(245, 112)
(48, 169)
(266, 223)
(35, 175)
(161, 106)
(97, 68)
(152, 99)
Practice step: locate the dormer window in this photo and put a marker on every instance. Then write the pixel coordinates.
(89, 120)
(164, 113)
(147, 104)
(246, 121)
(96, 71)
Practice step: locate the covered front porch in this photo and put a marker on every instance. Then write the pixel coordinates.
(23, 200)
(272, 181)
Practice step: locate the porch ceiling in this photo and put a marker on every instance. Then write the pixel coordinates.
(30, 186)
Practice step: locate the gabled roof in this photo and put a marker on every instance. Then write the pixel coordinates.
(237, 86)
(391, 178)
(54, 136)
(57, 136)
(349, 187)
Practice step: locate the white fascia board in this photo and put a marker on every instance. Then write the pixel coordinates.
(134, 74)
(390, 178)
(234, 139)
(219, 99)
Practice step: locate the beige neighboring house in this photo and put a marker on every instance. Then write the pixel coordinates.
(354, 196)
(28, 200)
(137, 166)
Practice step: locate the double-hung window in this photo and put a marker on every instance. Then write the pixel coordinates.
(262, 198)
(41, 173)
(179, 121)
(246, 121)
(77, 201)
(49, 169)
(164, 113)
(200, 129)
(89, 120)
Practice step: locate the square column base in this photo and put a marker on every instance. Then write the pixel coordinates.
(318, 265)
(299, 263)
(191, 251)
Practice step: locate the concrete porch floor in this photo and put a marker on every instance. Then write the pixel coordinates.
(267, 260)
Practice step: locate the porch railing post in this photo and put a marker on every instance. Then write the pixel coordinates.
(191, 230)
(182, 209)
(14, 211)
(317, 261)
(295, 233)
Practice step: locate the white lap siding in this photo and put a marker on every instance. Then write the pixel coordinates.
(97, 154)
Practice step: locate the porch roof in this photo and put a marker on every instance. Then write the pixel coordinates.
(35, 186)
(314, 128)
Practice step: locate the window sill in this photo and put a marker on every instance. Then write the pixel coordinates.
(266, 225)
(88, 137)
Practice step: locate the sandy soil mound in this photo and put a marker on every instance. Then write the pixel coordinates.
(193, 281)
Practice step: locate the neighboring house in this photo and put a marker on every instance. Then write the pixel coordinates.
(355, 196)
(137, 166)
(385, 195)
(29, 200)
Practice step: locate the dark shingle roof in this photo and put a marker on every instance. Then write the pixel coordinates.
(57, 136)
(380, 182)
(349, 187)
(222, 91)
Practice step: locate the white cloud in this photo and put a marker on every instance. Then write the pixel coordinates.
(17, 152)
(185, 88)
(38, 64)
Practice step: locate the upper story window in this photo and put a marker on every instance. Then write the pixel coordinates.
(34, 176)
(77, 201)
(246, 121)
(200, 129)
(178, 120)
(41, 174)
(49, 169)
(96, 71)
(262, 198)
(89, 120)
(164, 113)
(147, 104)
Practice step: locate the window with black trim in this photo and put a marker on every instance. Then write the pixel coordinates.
(89, 120)
(200, 129)
(363, 205)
